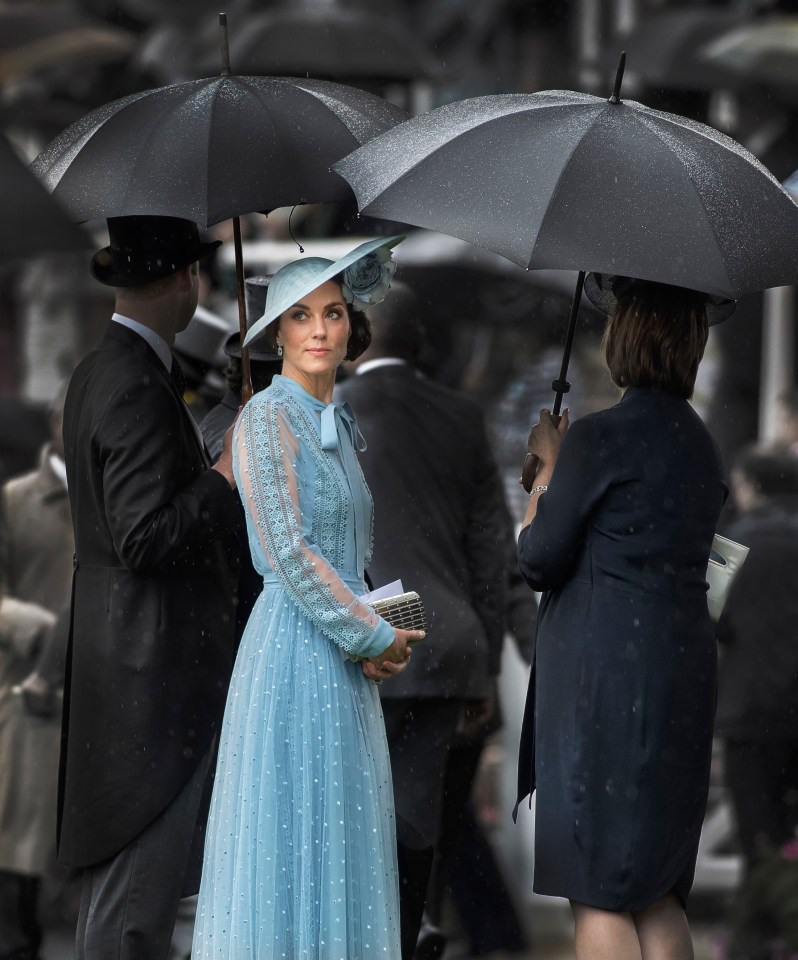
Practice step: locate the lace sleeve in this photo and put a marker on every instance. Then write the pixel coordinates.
(265, 455)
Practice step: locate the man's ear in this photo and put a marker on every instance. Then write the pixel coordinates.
(186, 276)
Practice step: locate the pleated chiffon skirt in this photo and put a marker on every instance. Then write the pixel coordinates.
(300, 856)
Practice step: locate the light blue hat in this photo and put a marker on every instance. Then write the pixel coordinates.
(366, 270)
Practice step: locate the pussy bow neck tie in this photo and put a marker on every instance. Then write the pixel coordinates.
(329, 427)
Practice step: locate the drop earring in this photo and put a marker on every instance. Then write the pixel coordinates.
(279, 350)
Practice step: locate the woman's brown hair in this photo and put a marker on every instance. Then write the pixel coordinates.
(655, 337)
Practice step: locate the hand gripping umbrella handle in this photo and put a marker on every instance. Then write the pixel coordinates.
(560, 386)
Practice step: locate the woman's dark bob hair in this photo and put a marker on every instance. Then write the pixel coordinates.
(359, 337)
(656, 337)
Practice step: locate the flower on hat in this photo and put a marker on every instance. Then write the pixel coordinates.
(366, 281)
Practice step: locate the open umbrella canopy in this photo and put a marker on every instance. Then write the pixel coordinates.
(764, 51)
(562, 179)
(33, 223)
(665, 46)
(208, 150)
(34, 36)
(330, 39)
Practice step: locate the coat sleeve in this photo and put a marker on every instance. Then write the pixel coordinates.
(141, 448)
(486, 537)
(266, 449)
(550, 545)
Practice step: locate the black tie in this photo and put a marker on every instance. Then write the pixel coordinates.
(177, 375)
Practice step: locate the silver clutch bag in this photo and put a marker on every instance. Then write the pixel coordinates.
(405, 611)
(724, 563)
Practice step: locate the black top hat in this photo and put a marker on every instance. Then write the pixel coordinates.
(255, 292)
(144, 249)
(603, 290)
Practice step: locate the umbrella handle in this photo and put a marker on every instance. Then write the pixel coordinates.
(560, 386)
(246, 375)
(529, 468)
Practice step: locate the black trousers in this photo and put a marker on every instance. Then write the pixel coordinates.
(420, 734)
(129, 903)
(762, 779)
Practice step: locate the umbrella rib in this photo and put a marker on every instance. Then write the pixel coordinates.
(694, 188)
(209, 127)
(560, 177)
(142, 154)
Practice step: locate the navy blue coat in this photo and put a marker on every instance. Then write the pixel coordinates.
(617, 733)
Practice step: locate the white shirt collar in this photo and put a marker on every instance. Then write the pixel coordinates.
(379, 362)
(157, 342)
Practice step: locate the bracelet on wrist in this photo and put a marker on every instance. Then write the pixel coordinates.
(539, 489)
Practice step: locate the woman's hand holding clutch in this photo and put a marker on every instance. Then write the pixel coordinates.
(394, 659)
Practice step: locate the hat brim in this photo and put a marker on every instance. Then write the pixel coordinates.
(274, 310)
(113, 278)
(600, 291)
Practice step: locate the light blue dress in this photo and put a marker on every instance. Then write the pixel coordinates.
(300, 856)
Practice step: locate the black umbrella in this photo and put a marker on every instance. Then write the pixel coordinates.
(35, 36)
(209, 150)
(764, 51)
(566, 180)
(33, 222)
(665, 47)
(339, 39)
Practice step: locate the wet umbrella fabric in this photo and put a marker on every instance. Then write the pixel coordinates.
(561, 179)
(33, 223)
(330, 40)
(208, 150)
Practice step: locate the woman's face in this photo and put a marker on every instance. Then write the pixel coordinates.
(314, 332)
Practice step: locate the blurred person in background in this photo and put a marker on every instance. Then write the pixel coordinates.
(28, 771)
(263, 365)
(465, 868)
(757, 713)
(444, 529)
(41, 546)
(618, 728)
(41, 543)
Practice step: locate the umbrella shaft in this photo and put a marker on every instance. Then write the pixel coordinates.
(246, 376)
(561, 385)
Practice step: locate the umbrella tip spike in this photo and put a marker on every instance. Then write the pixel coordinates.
(616, 90)
(224, 43)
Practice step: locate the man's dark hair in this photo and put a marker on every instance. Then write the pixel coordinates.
(656, 338)
(397, 330)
